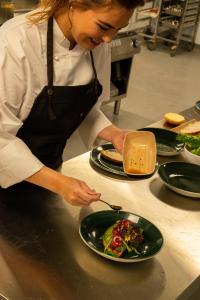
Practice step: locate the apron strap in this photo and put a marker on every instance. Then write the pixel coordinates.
(93, 66)
(51, 112)
(50, 53)
(50, 70)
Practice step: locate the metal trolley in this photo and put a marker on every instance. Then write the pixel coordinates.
(173, 21)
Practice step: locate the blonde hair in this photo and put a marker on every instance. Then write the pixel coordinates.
(49, 8)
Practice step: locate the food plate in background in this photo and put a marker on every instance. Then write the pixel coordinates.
(94, 225)
(102, 163)
(111, 166)
(181, 177)
(191, 157)
(166, 142)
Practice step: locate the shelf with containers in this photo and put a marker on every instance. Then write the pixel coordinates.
(175, 23)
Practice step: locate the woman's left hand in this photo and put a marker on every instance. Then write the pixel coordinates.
(114, 135)
(118, 140)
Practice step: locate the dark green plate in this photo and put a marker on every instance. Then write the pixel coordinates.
(112, 166)
(109, 166)
(94, 225)
(181, 177)
(95, 157)
(166, 142)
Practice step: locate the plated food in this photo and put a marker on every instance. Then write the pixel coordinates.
(191, 156)
(138, 158)
(93, 227)
(101, 163)
(192, 147)
(112, 155)
(122, 237)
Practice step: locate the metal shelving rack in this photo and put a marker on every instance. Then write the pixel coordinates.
(173, 21)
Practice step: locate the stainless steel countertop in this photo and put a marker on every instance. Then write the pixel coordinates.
(43, 258)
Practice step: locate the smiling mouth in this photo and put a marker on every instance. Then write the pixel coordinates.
(95, 42)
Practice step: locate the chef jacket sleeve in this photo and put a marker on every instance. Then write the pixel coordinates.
(16, 160)
(96, 120)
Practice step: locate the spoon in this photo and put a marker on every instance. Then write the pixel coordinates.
(114, 207)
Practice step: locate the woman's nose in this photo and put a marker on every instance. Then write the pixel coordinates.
(107, 39)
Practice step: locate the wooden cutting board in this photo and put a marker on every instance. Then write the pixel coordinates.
(189, 127)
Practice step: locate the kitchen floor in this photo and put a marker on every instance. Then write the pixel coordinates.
(158, 84)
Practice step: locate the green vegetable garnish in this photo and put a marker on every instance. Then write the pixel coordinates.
(191, 142)
(122, 237)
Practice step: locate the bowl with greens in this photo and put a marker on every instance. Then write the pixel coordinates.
(121, 236)
(191, 148)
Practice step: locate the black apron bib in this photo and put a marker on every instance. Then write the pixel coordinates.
(57, 112)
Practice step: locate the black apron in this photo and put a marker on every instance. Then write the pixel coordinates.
(57, 112)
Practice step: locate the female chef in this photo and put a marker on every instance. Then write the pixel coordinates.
(54, 74)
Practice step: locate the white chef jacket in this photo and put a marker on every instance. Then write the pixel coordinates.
(22, 77)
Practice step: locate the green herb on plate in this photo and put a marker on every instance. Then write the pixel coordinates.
(191, 142)
(122, 237)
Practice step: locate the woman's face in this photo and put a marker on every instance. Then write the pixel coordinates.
(91, 27)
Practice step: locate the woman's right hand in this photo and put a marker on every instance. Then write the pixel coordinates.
(77, 192)
(73, 190)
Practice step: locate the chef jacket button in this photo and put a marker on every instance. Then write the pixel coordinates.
(81, 115)
(56, 58)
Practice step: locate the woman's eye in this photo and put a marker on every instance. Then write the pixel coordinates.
(102, 27)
